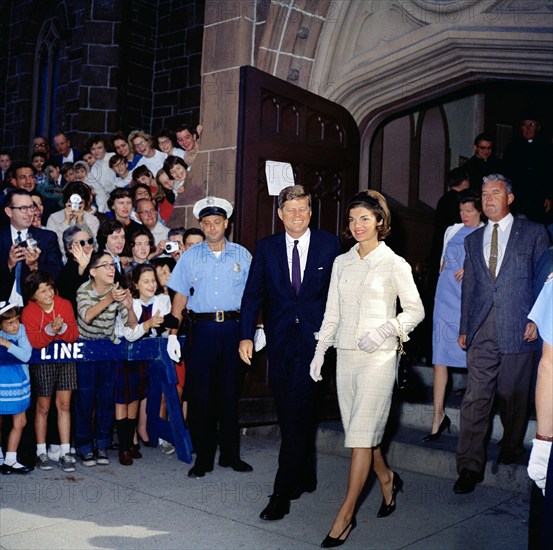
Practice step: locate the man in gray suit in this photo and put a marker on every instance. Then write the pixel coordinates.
(500, 340)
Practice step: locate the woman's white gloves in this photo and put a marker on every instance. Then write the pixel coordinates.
(374, 338)
(317, 361)
(539, 459)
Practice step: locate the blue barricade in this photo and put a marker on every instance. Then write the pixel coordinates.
(162, 378)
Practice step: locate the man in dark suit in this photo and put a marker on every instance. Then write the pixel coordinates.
(288, 280)
(483, 162)
(65, 153)
(19, 255)
(497, 295)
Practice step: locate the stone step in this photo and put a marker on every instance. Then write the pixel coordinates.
(405, 450)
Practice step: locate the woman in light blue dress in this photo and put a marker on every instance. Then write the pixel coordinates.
(446, 352)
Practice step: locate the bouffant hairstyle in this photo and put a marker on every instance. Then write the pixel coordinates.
(375, 203)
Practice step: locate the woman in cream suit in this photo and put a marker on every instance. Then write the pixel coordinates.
(361, 322)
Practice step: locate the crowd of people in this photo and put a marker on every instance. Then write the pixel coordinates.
(86, 252)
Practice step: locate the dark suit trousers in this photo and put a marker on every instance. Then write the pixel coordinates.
(490, 373)
(214, 379)
(294, 394)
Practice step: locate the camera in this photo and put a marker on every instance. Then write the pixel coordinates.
(171, 246)
(75, 201)
(30, 243)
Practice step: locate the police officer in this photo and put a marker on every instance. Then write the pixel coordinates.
(209, 280)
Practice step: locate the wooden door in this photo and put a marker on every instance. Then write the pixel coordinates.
(320, 139)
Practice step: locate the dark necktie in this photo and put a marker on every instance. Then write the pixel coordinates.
(146, 315)
(493, 252)
(18, 268)
(296, 269)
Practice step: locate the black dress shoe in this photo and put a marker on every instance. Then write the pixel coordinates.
(508, 456)
(303, 488)
(444, 425)
(237, 465)
(467, 482)
(8, 470)
(135, 451)
(198, 471)
(387, 509)
(277, 508)
(333, 542)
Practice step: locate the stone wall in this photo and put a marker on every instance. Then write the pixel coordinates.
(121, 66)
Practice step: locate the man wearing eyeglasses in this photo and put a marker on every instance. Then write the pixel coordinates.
(146, 210)
(483, 162)
(24, 173)
(529, 166)
(24, 248)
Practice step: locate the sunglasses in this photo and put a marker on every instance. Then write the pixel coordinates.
(88, 241)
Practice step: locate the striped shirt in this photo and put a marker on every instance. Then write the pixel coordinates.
(104, 325)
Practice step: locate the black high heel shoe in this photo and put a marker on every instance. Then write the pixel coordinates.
(387, 509)
(333, 542)
(446, 423)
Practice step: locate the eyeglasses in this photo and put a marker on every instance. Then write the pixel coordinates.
(39, 145)
(24, 209)
(141, 143)
(107, 265)
(529, 124)
(163, 141)
(149, 212)
(88, 241)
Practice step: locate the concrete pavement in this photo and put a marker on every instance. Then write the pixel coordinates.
(153, 504)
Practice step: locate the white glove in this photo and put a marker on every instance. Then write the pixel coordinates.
(539, 459)
(374, 338)
(173, 348)
(259, 340)
(317, 362)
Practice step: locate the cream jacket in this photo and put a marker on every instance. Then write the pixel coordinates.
(361, 299)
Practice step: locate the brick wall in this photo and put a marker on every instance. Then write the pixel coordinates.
(121, 66)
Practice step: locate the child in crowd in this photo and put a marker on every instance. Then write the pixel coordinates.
(122, 175)
(67, 172)
(48, 318)
(192, 237)
(81, 170)
(88, 157)
(166, 143)
(150, 306)
(15, 387)
(37, 216)
(38, 160)
(142, 245)
(170, 192)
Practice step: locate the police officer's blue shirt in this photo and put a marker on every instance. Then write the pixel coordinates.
(212, 283)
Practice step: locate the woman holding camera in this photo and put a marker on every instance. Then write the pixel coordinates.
(75, 198)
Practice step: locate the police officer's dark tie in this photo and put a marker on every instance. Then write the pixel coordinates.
(18, 268)
(296, 269)
(493, 252)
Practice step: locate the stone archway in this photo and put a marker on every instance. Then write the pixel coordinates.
(375, 58)
(380, 58)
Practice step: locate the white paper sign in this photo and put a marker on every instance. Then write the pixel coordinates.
(279, 175)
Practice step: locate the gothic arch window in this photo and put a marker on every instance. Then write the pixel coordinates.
(45, 83)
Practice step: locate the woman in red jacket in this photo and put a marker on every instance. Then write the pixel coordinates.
(47, 318)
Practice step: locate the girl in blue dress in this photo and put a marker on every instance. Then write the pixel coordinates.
(15, 387)
(446, 352)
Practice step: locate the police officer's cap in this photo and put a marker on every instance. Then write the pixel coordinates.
(212, 206)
